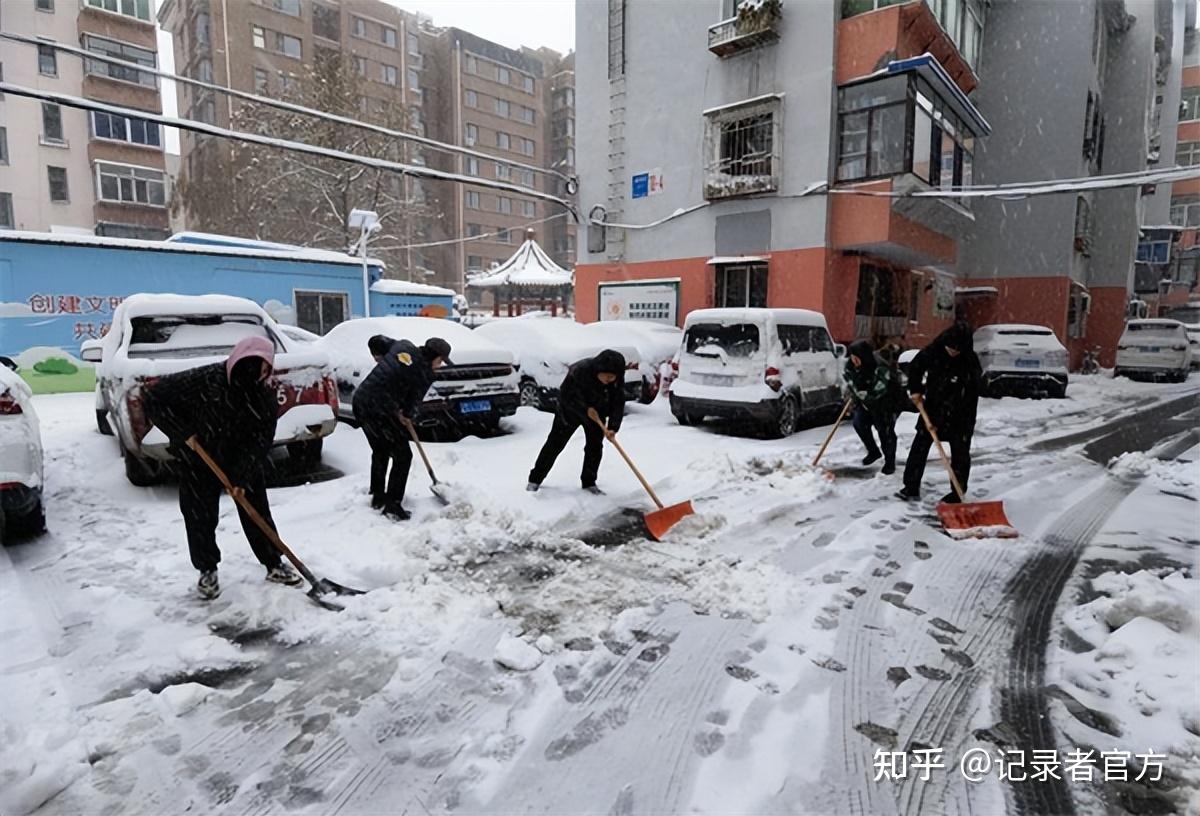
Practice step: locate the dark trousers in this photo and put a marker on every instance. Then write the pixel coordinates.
(199, 501)
(960, 457)
(883, 423)
(389, 442)
(560, 433)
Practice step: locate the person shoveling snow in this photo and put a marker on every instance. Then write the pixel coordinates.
(232, 411)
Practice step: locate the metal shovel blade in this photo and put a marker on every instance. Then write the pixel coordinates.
(439, 491)
(659, 522)
(976, 520)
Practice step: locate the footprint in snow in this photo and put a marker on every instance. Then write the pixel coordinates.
(921, 550)
(930, 673)
(830, 664)
(897, 675)
(945, 626)
(878, 734)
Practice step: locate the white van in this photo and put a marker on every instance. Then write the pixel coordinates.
(766, 365)
(1154, 348)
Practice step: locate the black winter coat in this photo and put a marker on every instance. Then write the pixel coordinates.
(581, 390)
(235, 425)
(950, 385)
(398, 383)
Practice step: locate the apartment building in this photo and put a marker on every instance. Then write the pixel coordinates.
(561, 138)
(1179, 283)
(455, 87)
(67, 170)
(753, 108)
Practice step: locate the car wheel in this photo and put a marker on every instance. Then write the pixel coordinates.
(141, 473)
(306, 456)
(102, 422)
(788, 420)
(530, 394)
(686, 419)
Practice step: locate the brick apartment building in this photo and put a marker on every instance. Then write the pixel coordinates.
(67, 170)
(457, 88)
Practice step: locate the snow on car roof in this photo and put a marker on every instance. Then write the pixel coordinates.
(10, 380)
(1000, 328)
(398, 287)
(653, 340)
(803, 317)
(558, 337)
(143, 305)
(347, 341)
(1155, 321)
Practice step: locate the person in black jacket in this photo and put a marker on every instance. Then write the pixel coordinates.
(395, 388)
(945, 375)
(231, 410)
(594, 382)
(870, 381)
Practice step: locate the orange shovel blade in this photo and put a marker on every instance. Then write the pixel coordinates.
(976, 520)
(660, 521)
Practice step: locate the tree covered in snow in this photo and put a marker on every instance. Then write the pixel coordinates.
(272, 194)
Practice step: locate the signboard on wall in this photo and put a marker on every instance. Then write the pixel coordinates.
(656, 300)
(648, 183)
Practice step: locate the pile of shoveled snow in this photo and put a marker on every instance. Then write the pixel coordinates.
(37, 763)
(1142, 671)
(1139, 465)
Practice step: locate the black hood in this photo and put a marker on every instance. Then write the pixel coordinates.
(609, 362)
(863, 350)
(959, 336)
(379, 345)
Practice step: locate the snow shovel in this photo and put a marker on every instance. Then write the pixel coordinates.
(984, 519)
(828, 439)
(659, 521)
(437, 488)
(320, 586)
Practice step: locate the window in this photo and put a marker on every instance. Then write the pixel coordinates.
(387, 36)
(288, 45)
(503, 172)
(503, 76)
(57, 176)
(121, 51)
(528, 209)
(262, 81)
(527, 84)
(360, 27)
(47, 61)
(503, 141)
(472, 135)
(258, 36)
(472, 200)
(202, 28)
(472, 166)
(742, 149)
(204, 71)
(502, 108)
(616, 39)
(527, 115)
(287, 82)
(6, 211)
(1189, 105)
(389, 74)
(527, 146)
(319, 312)
(474, 263)
(122, 129)
(327, 22)
(360, 66)
(139, 9)
(1083, 225)
(504, 205)
(1185, 211)
(474, 230)
(52, 126)
(289, 7)
(1154, 252)
(741, 286)
(502, 237)
(795, 339)
(471, 99)
(1187, 154)
(45, 5)
(472, 65)
(734, 340)
(124, 184)
(525, 178)
(414, 80)
(3, 145)
(412, 43)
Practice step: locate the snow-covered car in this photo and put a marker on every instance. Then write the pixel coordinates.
(545, 347)
(1154, 348)
(657, 345)
(1021, 359)
(769, 366)
(471, 395)
(1193, 333)
(297, 334)
(92, 351)
(20, 457)
(155, 335)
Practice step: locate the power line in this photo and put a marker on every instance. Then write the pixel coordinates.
(288, 106)
(463, 239)
(417, 171)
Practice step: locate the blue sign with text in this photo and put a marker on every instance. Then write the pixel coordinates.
(641, 185)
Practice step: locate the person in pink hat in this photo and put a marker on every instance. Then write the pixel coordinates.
(231, 409)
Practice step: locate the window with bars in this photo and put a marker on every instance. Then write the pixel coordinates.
(742, 148)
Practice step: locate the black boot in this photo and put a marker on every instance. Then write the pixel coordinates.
(951, 498)
(889, 467)
(873, 455)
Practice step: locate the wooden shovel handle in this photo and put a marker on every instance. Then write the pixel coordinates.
(920, 403)
(269, 531)
(833, 430)
(412, 431)
(595, 417)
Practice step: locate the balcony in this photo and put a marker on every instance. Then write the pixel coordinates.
(756, 24)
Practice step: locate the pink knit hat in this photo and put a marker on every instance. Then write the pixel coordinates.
(255, 346)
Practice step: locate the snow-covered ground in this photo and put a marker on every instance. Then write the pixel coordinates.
(530, 653)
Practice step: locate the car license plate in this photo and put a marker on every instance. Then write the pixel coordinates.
(1151, 349)
(1028, 362)
(474, 406)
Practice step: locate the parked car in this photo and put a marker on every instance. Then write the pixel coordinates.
(154, 335)
(544, 347)
(1021, 359)
(769, 366)
(1154, 348)
(1193, 333)
(471, 395)
(657, 345)
(20, 457)
(297, 334)
(91, 351)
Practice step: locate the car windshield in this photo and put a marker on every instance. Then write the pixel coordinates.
(1165, 329)
(713, 339)
(180, 336)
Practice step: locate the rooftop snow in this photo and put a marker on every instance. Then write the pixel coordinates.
(398, 287)
(733, 259)
(529, 266)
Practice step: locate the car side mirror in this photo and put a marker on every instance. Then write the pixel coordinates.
(91, 354)
(8, 363)
(839, 350)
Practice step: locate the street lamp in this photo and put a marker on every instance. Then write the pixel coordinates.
(367, 223)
